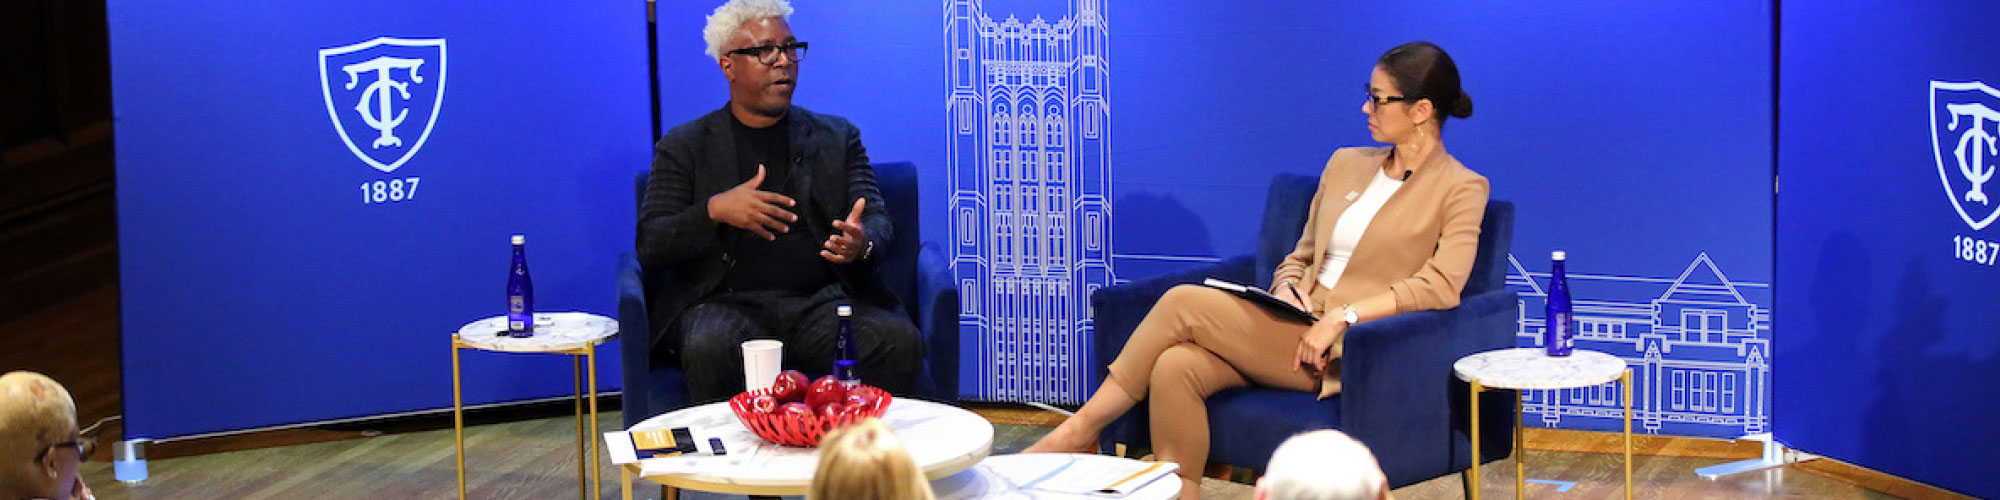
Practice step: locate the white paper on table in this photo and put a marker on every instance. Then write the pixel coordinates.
(1101, 477)
(618, 444)
(741, 445)
(699, 464)
(776, 457)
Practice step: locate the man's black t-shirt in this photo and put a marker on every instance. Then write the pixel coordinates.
(792, 262)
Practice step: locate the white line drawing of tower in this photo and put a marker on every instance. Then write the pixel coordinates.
(1028, 120)
(1698, 347)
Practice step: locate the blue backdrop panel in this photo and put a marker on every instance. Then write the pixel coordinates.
(1080, 143)
(306, 216)
(1885, 250)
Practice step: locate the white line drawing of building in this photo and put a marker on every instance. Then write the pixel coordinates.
(1029, 119)
(1700, 351)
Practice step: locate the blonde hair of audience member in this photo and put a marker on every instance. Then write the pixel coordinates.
(866, 461)
(37, 414)
(1322, 465)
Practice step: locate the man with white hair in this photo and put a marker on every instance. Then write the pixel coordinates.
(40, 446)
(1322, 465)
(767, 217)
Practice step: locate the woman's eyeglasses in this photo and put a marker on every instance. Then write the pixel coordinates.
(85, 442)
(1383, 100)
(85, 445)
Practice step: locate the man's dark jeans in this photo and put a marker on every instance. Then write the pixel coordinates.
(889, 348)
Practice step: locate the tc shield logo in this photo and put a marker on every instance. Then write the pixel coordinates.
(1963, 139)
(379, 92)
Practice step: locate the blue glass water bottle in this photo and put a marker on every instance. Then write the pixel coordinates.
(843, 363)
(1559, 335)
(520, 293)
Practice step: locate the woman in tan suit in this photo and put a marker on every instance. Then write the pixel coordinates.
(1392, 229)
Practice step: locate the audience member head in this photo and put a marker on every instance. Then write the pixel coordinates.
(865, 460)
(753, 44)
(40, 447)
(1412, 91)
(1322, 465)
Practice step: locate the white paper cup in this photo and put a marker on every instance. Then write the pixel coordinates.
(761, 361)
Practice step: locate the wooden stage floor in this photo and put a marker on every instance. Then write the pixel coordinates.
(529, 453)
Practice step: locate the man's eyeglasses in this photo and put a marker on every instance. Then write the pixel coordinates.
(85, 445)
(768, 53)
(1384, 100)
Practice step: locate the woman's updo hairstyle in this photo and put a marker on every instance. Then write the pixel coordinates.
(1424, 71)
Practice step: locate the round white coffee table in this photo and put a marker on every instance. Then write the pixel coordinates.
(572, 333)
(1001, 476)
(1531, 368)
(942, 439)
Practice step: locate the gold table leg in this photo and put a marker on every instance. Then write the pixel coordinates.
(576, 370)
(1626, 381)
(1520, 453)
(458, 417)
(596, 468)
(1472, 488)
(625, 483)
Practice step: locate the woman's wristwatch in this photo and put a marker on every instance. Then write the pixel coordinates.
(1349, 315)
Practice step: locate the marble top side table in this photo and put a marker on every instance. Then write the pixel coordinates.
(572, 333)
(1534, 369)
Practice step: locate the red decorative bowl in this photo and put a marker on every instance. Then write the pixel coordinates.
(801, 430)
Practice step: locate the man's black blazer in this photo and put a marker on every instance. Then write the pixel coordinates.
(697, 160)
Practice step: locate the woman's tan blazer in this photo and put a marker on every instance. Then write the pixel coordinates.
(1420, 246)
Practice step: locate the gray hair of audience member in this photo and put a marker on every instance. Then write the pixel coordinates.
(1322, 465)
(35, 414)
(723, 23)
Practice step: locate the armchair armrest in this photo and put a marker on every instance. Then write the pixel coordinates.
(1397, 381)
(635, 336)
(936, 314)
(1118, 309)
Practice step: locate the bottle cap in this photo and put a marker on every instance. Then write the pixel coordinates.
(1559, 255)
(844, 310)
(520, 239)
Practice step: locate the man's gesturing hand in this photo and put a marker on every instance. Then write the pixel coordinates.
(849, 243)
(750, 209)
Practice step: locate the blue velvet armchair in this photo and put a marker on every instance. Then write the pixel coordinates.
(1399, 394)
(919, 274)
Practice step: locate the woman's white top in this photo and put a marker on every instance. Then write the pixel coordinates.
(1347, 231)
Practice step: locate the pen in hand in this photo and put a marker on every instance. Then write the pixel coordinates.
(1301, 298)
